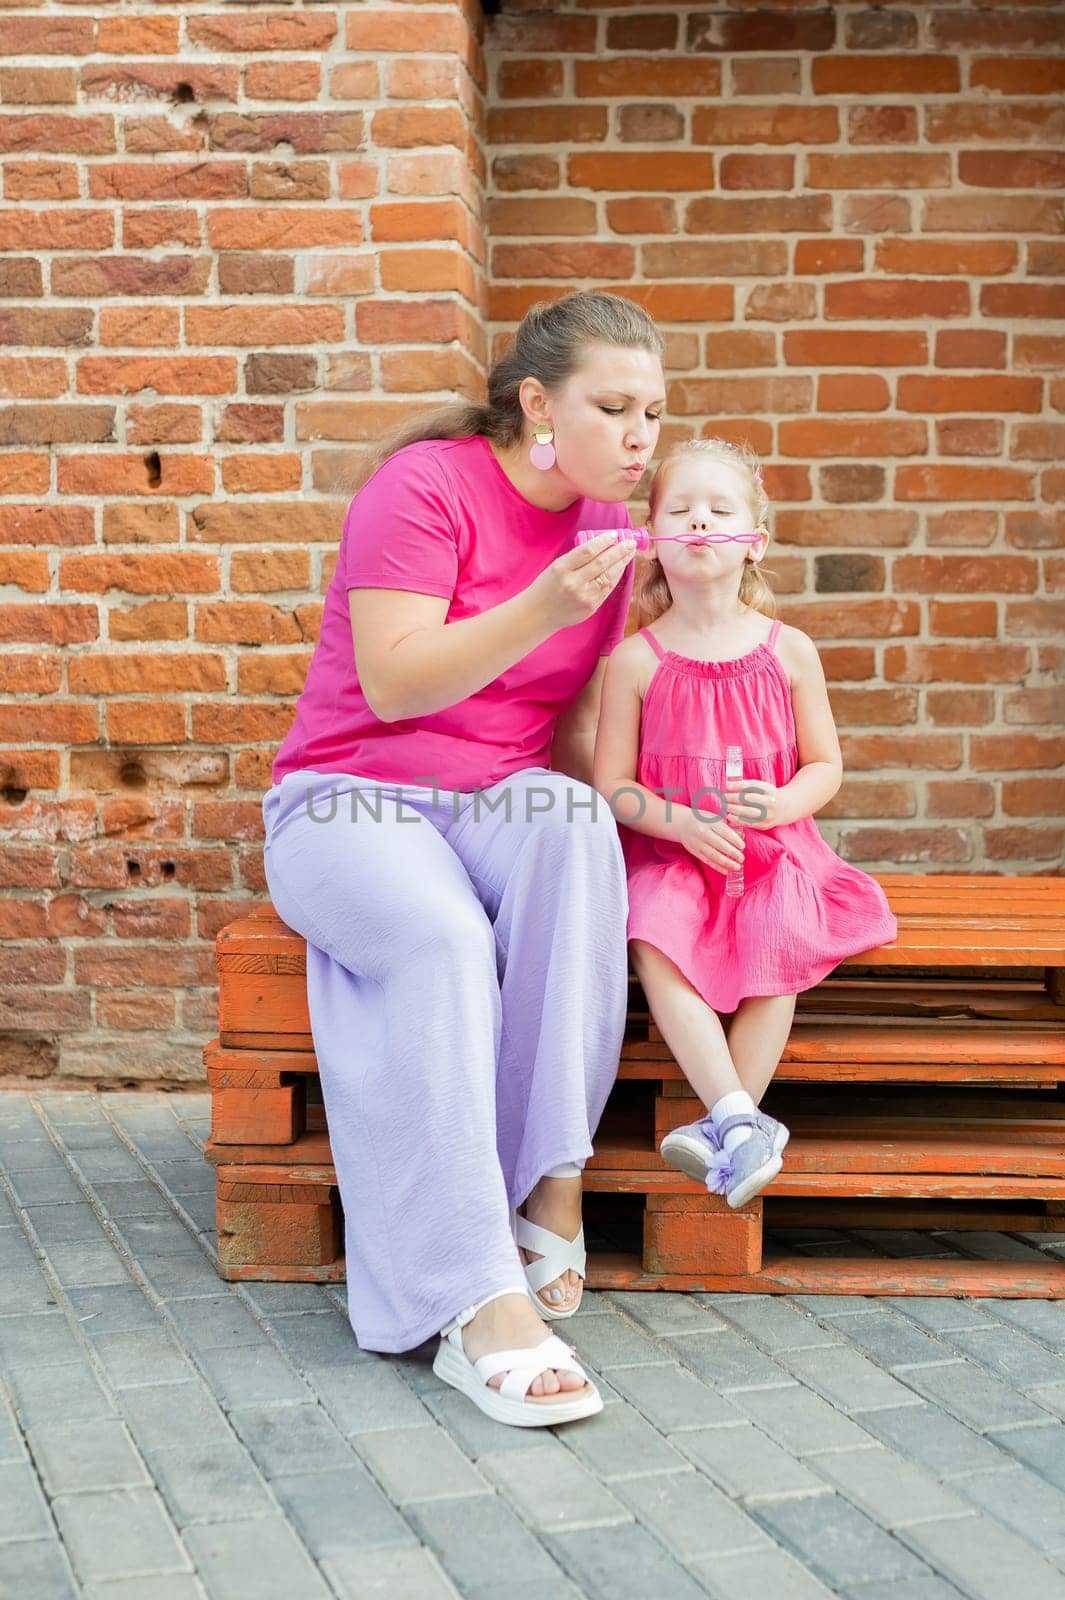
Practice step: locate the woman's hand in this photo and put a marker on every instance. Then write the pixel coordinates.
(755, 804)
(715, 843)
(576, 584)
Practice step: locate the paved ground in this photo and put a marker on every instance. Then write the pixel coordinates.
(164, 1435)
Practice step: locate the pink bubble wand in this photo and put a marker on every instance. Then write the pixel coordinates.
(644, 537)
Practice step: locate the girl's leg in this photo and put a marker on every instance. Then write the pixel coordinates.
(405, 1013)
(552, 878)
(757, 1035)
(690, 1027)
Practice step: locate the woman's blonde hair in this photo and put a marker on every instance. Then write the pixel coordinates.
(651, 595)
(548, 345)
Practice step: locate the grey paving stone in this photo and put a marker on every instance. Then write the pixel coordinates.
(30, 1155)
(157, 1234)
(837, 1542)
(115, 1533)
(171, 1416)
(726, 1361)
(667, 1314)
(26, 1290)
(1023, 1501)
(251, 1375)
(973, 1396)
(185, 1177)
(942, 1444)
(672, 1399)
(893, 1342)
(1051, 1397)
(260, 1559)
(362, 1398)
(36, 1569)
(16, 1253)
(798, 1419)
(111, 1165)
(40, 1185)
(690, 1516)
(836, 1305)
(419, 1464)
(283, 1299)
(1040, 1319)
(180, 1276)
(215, 1322)
(773, 1323)
(137, 1198)
(939, 1313)
(72, 1392)
(42, 1340)
(747, 1465)
(142, 1356)
(172, 1586)
(990, 1246)
(608, 1340)
(622, 1563)
(209, 1483)
(908, 1589)
(86, 1455)
(25, 1510)
(320, 1339)
(65, 1223)
(87, 1265)
(618, 1444)
(771, 1571)
(892, 1491)
(481, 1544)
(394, 1574)
(291, 1438)
(990, 1563)
(473, 1432)
(12, 1447)
(1009, 1354)
(340, 1509)
(550, 1490)
(848, 1379)
(1042, 1449)
(118, 1308)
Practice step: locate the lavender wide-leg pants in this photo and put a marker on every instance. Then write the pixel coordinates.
(466, 979)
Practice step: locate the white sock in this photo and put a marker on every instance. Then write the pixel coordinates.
(732, 1105)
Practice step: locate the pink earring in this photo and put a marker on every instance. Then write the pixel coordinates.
(542, 453)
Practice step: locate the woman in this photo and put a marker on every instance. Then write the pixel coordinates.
(463, 901)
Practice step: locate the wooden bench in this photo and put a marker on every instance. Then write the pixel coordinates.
(922, 1083)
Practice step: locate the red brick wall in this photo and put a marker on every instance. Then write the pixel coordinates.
(239, 242)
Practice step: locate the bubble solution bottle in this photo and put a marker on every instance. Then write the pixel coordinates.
(733, 773)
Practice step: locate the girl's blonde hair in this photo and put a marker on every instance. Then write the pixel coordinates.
(549, 344)
(651, 595)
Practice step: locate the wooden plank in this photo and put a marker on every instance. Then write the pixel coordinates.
(784, 1274)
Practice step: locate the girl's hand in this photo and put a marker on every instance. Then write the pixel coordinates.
(754, 804)
(577, 583)
(720, 846)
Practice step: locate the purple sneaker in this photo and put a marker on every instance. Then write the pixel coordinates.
(696, 1150)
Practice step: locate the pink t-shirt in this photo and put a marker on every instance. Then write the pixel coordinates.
(441, 517)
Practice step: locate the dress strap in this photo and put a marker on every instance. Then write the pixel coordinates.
(773, 632)
(653, 642)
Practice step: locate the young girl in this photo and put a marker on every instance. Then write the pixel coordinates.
(736, 904)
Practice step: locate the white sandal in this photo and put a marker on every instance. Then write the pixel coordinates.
(511, 1403)
(557, 1255)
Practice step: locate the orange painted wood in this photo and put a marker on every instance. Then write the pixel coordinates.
(297, 1226)
(262, 1116)
(699, 1233)
(782, 1274)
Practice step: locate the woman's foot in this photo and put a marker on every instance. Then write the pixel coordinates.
(510, 1323)
(555, 1204)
